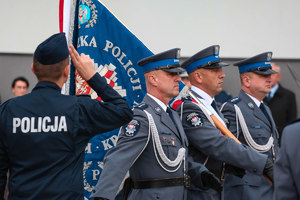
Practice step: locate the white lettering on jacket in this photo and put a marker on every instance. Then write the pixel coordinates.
(40, 124)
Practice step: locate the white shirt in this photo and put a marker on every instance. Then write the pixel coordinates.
(256, 101)
(207, 100)
(159, 102)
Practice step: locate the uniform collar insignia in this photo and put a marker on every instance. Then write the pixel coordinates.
(157, 109)
(250, 104)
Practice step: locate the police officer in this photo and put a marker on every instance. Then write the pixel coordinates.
(287, 165)
(43, 134)
(153, 146)
(250, 119)
(207, 144)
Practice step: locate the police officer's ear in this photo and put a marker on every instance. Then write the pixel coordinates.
(246, 79)
(197, 76)
(152, 78)
(32, 69)
(67, 70)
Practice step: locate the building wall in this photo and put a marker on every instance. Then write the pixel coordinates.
(13, 65)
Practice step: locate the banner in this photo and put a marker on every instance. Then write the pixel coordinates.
(115, 52)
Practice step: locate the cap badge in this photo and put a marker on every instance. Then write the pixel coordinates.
(178, 54)
(216, 50)
(269, 55)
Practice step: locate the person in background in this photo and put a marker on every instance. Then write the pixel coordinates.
(250, 120)
(281, 101)
(19, 86)
(43, 134)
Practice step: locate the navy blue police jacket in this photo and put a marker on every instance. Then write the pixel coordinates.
(43, 136)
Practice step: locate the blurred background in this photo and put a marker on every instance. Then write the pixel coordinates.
(241, 28)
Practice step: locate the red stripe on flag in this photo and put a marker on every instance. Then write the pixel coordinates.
(108, 74)
(112, 84)
(61, 15)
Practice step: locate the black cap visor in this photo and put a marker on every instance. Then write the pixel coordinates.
(265, 71)
(172, 68)
(211, 65)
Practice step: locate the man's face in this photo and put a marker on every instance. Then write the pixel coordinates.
(20, 88)
(168, 83)
(260, 85)
(212, 80)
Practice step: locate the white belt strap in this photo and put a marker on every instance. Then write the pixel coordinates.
(240, 120)
(159, 150)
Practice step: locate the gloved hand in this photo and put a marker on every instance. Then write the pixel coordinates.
(268, 170)
(230, 169)
(211, 181)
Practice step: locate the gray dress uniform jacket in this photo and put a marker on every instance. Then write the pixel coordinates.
(251, 186)
(135, 152)
(287, 165)
(206, 140)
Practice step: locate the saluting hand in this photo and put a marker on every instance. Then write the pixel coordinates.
(83, 63)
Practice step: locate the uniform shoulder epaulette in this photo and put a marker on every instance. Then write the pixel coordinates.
(235, 100)
(141, 106)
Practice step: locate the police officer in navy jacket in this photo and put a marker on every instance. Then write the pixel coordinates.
(43, 134)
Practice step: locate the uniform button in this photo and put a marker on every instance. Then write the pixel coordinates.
(254, 170)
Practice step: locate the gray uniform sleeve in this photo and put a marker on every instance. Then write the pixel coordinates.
(209, 140)
(286, 185)
(119, 160)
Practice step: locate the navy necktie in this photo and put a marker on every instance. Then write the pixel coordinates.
(263, 109)
(214, 105)
(169, 111)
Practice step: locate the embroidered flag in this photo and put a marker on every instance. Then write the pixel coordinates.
(115, 52)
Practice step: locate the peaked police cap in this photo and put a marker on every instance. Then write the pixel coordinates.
(259, 64)
(167, 61)
(206, 58)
